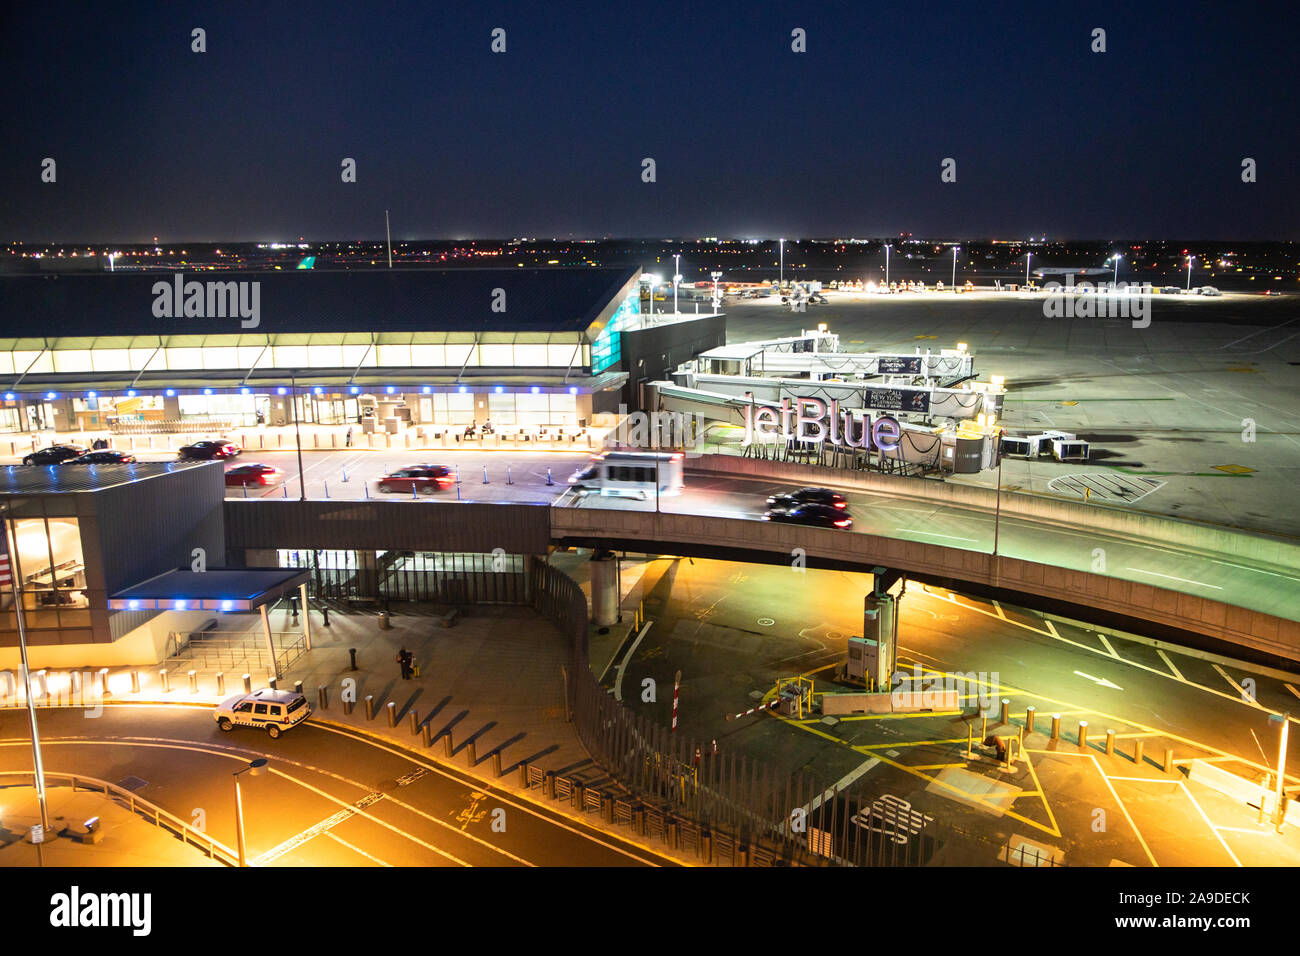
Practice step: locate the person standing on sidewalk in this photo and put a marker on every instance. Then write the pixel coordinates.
(348, 441)
(404, 659)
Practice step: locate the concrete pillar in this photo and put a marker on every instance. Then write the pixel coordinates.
(306, 615)
(1083, 734)
(1139, 746)
(1004, 715)
(270, 642)
(604, 590)
(879, 624)
(1110, 743)
(1056, 726)
(1030, 712)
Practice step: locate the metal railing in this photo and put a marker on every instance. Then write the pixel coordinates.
(150, 812)
(243, 650)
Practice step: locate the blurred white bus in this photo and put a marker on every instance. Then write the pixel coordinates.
(630, 474)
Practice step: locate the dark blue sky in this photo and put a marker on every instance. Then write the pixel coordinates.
(245, 141)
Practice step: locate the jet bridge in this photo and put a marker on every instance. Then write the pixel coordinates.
(815, 355)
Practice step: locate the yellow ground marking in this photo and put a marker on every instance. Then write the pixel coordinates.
(1245, 697)
(1145, 779)
(1292, 689)
(1212, 827)
(1109, 650)
(355, 849)
(1038, 786)
(1178, 675)
(1124, 809)
(939, 766)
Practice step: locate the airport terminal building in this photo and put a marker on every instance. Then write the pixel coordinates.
(153, 350)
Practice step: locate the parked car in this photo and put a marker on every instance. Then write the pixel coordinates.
(209, 449)
(274, 711)
(1210, 290)
(102, 457)
(418, 478)
(809, 496)
(54, 455)
(817, 516)
(253, 474)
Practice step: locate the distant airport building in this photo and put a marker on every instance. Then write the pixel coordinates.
(521, 347)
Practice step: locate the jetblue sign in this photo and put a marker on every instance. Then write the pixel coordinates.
(812, 420)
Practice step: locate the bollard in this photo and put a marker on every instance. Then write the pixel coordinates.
(548, 784)
(1004, 714)
(370, 706)
(496, 763)
(1029, 719)
(1138, 746)
(352, 651)
(273, 683)
(322, 697)
(1007, 759)
(194, 682)
(327, 490)
(135, 682)
(103, 682)
(509, 480)
(345, 476)
(471, 754)
(365, 492)
(970, 735)
(523, 775)
(549, 480)
(485, 481)
(166, 684)
(414, 719)
(221, 684)
(674, 835)
(297, 687)
(248, 683)
(392, 713)
(742, 856)
(1083, 734)
(448, 748)
(325, 614)
(1056, 726)
(426, 735)
(347, 705)
(1110, 743)
(1169, 760)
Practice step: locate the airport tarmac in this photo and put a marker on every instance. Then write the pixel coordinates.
(1196, 415)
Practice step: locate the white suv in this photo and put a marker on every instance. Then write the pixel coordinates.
(274, 710)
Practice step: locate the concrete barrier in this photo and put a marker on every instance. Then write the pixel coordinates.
(897, 702)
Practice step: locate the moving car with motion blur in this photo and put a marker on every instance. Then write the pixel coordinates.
(418, 479)
(209, 449)
(54, 455)
(633, 474)
(812, 515)
(102, 457)
(809, 496)
(254, 473)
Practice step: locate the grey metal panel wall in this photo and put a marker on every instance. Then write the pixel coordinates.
(150, 526)
(387, 525)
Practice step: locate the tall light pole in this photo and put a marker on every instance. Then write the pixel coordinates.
(1189, 272)
(782, 280)
(677, 278)
(954, 267)
(1279, 809)
(886, 265)
(1117, 257)
(297, 435)
(38, 768)
(717, 298)
(254, 769)
(1028, 256)
(654, 281)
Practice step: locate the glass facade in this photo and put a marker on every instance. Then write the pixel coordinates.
(51, 572)
(607, 350)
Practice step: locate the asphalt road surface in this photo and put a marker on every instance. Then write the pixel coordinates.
(332, 798)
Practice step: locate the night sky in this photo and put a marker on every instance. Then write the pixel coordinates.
(245, 141)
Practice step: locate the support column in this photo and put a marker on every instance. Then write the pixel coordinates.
(270, 643)
(306, 615)
(604, 589)
(879, 625)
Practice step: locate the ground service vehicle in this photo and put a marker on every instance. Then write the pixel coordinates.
(631, 474)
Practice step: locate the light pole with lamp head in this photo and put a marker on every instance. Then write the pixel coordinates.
(255, 768)
(1118, 256)
(781, 283)
(886, 266)
(677, 278)
(954, 267)
(1189, 272)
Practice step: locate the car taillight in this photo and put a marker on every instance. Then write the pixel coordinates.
(841, 505)
(843, 523)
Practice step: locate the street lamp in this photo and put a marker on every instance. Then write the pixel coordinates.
(1279, 809)
(654, 281)
(717, 299)
(954, 267)
(1028, 256)
(782, 280)
(254, 769)
(886, 265)
(677, 278)
(1117, 257)
(1189, 272)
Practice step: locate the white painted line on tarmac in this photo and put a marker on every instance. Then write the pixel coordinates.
(356, 849)
(934, 534)
(1172, 666)
(1292, 689)
(1109, 650)
(1245, 697)
(622, 666)
(1200, 584)
(1001, 613)
(1213, 829)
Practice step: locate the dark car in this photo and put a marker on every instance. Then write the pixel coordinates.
(809, 496)
(817, 516)
(209, 449)
(102, 457)
(54, 455)
(253, 474)
(418, 478)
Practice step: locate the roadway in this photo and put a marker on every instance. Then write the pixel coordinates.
(331, 798)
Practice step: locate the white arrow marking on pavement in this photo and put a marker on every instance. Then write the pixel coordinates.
(1099, 681)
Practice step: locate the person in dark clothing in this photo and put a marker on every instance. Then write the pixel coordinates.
(404, 658)
(348, 442)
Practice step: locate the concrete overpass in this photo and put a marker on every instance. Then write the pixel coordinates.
(1180, 581)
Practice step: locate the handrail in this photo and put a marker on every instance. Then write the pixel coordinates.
(151, 812)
